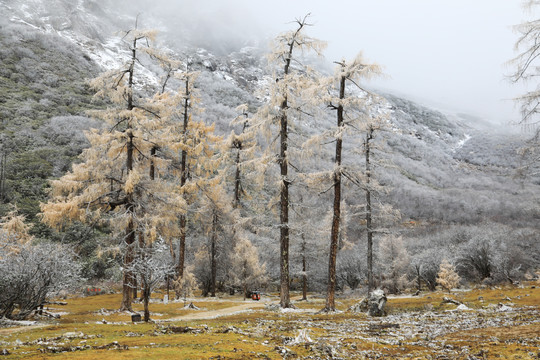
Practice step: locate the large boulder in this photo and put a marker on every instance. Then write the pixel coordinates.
(377, 303)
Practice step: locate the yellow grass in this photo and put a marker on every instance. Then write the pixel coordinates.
(94, 325)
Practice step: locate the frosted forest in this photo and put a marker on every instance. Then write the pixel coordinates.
(140, 157)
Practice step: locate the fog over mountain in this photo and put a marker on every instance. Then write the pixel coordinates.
(429, 51)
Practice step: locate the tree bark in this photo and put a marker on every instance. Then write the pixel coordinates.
(3, 158)
(127, 281)
(285, 300)
(128, 278)
(417, 268)
(284, 212)
(237, 178)
(146, 297)
(182, 247)
(183, 179)
(213, 259)
(152, 165)
(371, 285)
(336, 218)
(304, 269)
(135, 285)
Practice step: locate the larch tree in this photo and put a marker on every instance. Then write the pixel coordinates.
(223, 202)
(214, 216)
(527, 70)
(353, 105)
(447, 276)
(240, 158)
(14, 232)
(187, 105)
(305, 250)
(242, 172)
(276, 119)
(196, 144)
(246, 269)
(121, 180)
(376, 213)
(526, 66)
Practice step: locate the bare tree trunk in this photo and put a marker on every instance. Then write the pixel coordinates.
(371, 285)
(182, 247)
(146, 300)
(168, 286)
(3, 158)
(284, 212)
(128, 278)
(418, 277)
(135, 285)
(183, 179)
(285, 300)
(213, 274)
(304, 274)
(237, 176)
(127, 281)
(237, 179)
(128, 284)
(152, 165)
(336, 218)
(152, 177)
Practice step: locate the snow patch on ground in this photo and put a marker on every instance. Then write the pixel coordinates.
(16, 19)
(461, 143)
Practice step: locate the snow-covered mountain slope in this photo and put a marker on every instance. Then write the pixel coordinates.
(442, 168)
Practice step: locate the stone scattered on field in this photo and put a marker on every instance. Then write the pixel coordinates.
(302, 338)
(503, 307)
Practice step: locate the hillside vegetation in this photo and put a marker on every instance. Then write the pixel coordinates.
(447, 190)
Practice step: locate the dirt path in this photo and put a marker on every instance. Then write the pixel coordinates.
(200, 315)
(11, 330)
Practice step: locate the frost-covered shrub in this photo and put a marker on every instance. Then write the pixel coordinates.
(152, 265)
(394, 263)
(30, 273)
(351, 268)
(476, 261)
(426, 266)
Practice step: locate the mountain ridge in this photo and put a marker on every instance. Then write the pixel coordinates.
(229, 80)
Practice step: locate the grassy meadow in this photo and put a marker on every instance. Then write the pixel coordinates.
(496, 323)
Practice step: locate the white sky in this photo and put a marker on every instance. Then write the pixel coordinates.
(449, 54)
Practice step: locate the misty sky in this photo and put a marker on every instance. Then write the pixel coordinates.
(449, 54)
